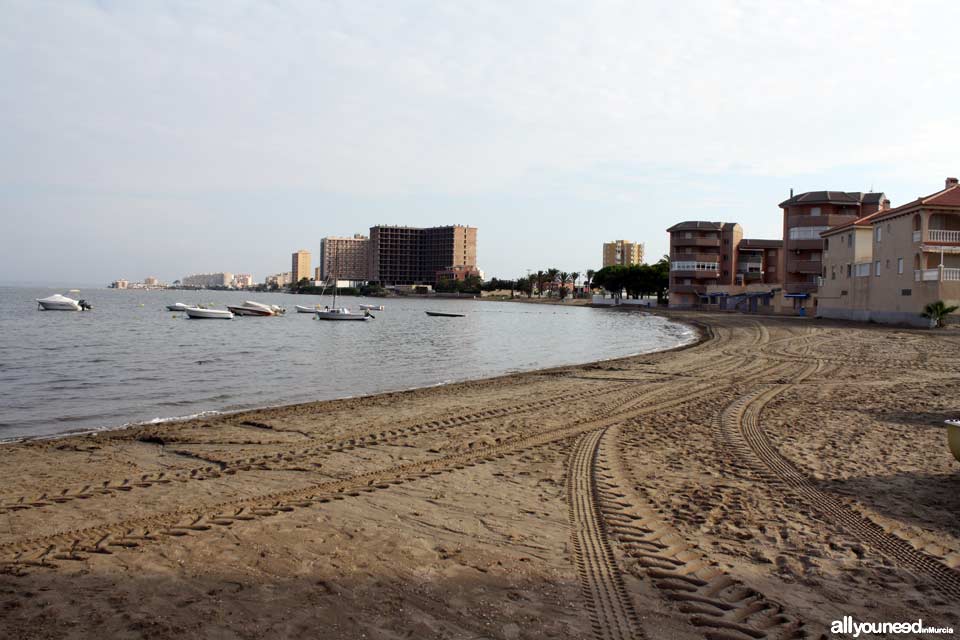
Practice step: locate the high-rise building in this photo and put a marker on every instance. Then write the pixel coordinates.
(411, 255)
(345, 258)
(622, 252)
(301, 265)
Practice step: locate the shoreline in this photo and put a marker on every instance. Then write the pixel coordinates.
(698, 336)
(758, 472)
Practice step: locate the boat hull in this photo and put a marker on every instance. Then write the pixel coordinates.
(438, 314)
(249, 311)
(59, 306)
(301, 309)
(341, 317)
(208, 314)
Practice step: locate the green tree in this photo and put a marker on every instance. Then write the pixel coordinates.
(612, 278)
(573, 278)
(564, 278)
(540, 277)
(938, 311)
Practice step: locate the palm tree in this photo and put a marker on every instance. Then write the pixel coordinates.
(540, 276)
(590, 274)
(573, 278)
(564, 278)
(552, 275)
(938, 311)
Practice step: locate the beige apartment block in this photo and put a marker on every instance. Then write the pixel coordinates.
(301, 265)
(889, 266)
(345, 258)
(622, 252)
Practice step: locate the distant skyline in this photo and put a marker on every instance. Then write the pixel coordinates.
(168, 138)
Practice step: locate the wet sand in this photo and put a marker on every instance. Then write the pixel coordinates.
(775, 477)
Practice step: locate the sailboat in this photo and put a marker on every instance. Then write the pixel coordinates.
(341, 313)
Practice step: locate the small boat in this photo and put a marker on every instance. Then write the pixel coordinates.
(177, 306)
(341, 313)
(371, 307)
(249, 308)
(303, 309)
(58, 302)
(441, 314)
(208, 314)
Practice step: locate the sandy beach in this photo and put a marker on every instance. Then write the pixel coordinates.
(775, 477)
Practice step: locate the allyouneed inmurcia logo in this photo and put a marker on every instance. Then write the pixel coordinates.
(848, 627)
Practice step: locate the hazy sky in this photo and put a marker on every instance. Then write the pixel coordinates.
(167, 138)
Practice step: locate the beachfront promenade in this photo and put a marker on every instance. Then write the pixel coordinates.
(777, 476)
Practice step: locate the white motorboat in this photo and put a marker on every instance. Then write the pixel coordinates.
(303, 309)
(208, 314)
(371, 307)
(342, 313)
(59, 302)
(250, 308)
(177, 306)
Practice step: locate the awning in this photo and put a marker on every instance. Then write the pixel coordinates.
(796, 295)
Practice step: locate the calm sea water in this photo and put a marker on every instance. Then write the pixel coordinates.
(130, 360)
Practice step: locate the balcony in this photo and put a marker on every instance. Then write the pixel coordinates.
(689, 288)
(751, 276)
(696, 274)
(941, 236)
(800, 287)
(831, 220)
(934, 275)
(804, 266)
(804, 245)
(678, 256)
(680, 241)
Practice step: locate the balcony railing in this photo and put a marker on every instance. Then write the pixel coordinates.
(805, 233)
(690, 265)
(800, 287)
(680, 241)
(804, 266)
(943, 235)
(861, 269)
(934, 275)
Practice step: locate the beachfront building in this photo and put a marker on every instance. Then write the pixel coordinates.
(207, 280)
(411, 255)
(120, 284)
(701, 255)
(346, 258)
(805, 217)
(279, 279)
(888, 266)
(242, 281)
(622, 252)
(301, 265)
(713, 266)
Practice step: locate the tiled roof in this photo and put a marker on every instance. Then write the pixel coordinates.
(949, 197)
(834, 197)
(693, 225)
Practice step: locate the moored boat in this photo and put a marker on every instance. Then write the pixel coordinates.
(441, 314)
(177, 306)
(59, 302)
(953, 437)
(371, 307)
(341, 313)
(303, 309)
(250, 308)
(208, 314)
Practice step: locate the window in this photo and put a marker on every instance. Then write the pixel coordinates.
(876, 267)
(850, 238)
(833, 273)
(826, 244)
(900, 265)
(815, 211)
(849, 268)
(879, 234)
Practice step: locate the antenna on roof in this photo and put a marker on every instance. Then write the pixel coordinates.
(791, 192)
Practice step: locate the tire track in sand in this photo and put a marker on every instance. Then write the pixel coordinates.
(611, 610)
